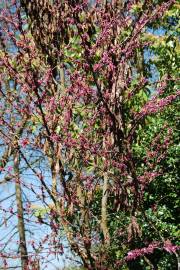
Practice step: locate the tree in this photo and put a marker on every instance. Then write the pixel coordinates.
(20, 213)
(83, 86)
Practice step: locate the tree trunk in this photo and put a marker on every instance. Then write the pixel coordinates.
(20, 215)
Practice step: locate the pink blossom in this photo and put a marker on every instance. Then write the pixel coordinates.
(24, 142)
(169, 247)
(97, 67)
(133, 254)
